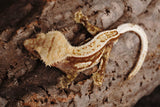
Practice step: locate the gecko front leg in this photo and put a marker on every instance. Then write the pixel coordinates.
(68, 79)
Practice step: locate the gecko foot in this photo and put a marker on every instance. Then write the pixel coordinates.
(65, 81)
(79, 17)
(98, 79)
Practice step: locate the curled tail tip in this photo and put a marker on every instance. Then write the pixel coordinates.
(130, 77)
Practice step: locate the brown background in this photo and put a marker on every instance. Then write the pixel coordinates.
(25, 80)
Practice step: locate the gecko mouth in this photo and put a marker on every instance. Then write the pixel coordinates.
(36, 54)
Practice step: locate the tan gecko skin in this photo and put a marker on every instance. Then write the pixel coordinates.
(55, 50)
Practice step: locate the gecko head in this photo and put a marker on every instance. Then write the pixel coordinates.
(51, 47)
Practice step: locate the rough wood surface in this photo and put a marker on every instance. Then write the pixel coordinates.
(26, 81)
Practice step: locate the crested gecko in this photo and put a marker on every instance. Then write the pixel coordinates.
(54, 50)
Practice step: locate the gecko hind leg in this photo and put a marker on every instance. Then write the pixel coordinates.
(79, 17)
(99, 75)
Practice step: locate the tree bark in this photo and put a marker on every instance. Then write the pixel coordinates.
(26, 81)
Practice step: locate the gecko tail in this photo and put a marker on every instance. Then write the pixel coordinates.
(144, 44)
